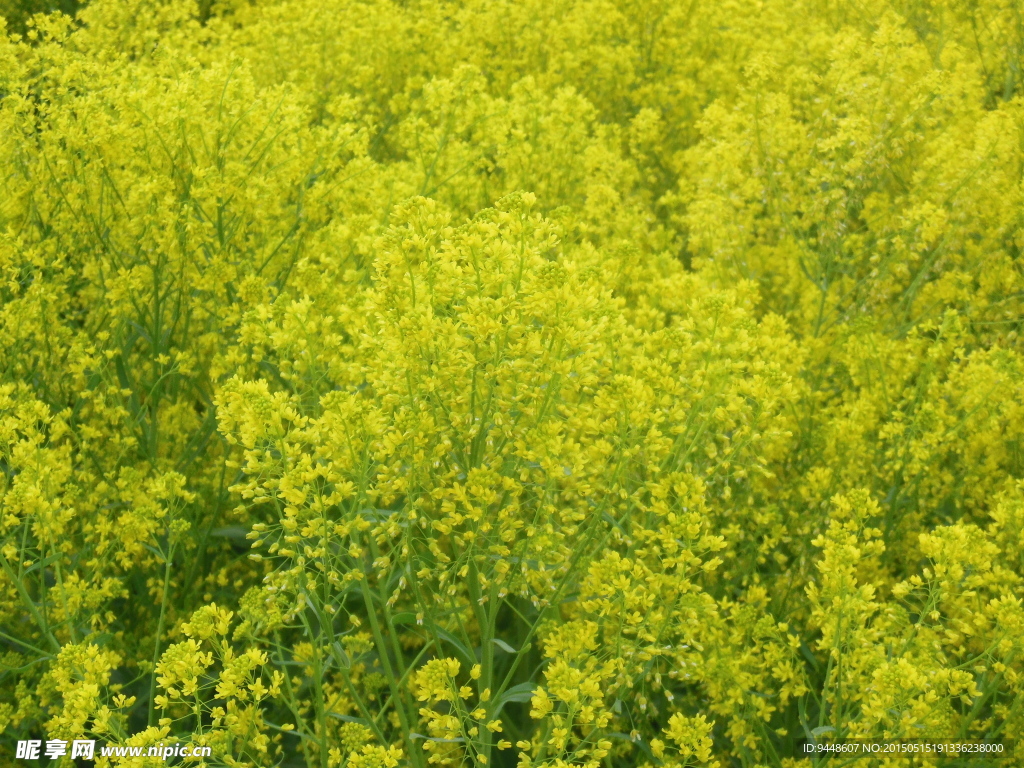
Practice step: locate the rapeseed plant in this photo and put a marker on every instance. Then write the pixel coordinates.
(598, 383)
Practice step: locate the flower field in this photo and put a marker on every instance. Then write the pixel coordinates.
(512, 383)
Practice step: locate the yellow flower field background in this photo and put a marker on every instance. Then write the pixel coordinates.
(536, 383)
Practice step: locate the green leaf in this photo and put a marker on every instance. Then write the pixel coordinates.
(349, 718)
(518, 693)
(340, 656)
(467, 655)
(504, 646)
(42, 563)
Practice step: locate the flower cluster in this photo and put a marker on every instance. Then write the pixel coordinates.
(598, 383)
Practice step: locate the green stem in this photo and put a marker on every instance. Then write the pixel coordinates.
(168, 561)
(318, 687)
(30, 605)
(385, 661)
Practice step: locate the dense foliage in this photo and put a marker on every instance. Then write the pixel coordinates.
(542, 383)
